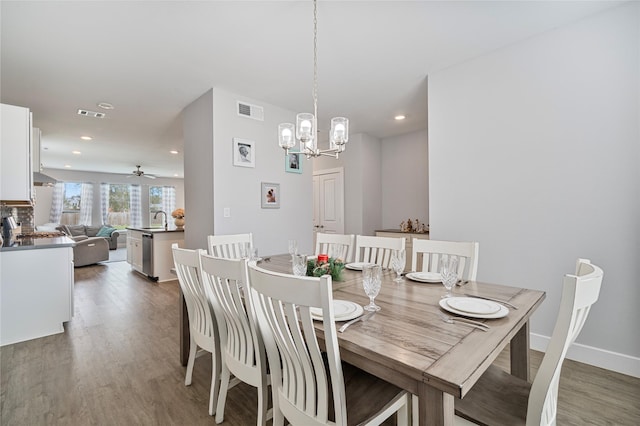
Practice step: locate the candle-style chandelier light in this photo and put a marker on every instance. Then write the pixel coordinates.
(306, 129)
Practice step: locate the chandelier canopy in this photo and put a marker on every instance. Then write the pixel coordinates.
(305, 130)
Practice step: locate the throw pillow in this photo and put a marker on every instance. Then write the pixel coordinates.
(77, 230)
(105, 231)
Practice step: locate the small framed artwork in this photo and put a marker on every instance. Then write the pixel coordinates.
(244, 153)
(293, 162)
(270, 195)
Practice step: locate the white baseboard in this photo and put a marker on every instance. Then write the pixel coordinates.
(602, 358)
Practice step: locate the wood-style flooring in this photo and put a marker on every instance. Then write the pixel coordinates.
(118, 363)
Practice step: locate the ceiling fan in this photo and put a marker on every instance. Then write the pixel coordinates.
(140, 173)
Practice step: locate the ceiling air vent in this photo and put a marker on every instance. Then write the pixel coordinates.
(251, 111)
(91, 113)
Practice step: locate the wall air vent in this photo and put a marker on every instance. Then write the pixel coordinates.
(250, 111)
(93, 114)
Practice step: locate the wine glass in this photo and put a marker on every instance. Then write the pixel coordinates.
(293, 248)
(398, 260)
(449, 272)
(299, 265)
(371, 281)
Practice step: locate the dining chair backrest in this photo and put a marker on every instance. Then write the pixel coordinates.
(377, 250)
(229, 246)
(241, 344)
(310, 379)
(203, 328)
(579, 293)
(499, 398)
(342, 244)
(426, 256)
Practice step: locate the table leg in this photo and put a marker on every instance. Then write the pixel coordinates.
(434, 406)
(519, 351)
(185, 335)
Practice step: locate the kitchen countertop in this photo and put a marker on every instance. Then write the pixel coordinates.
(156, 230)
(36, 243)
(399, 231)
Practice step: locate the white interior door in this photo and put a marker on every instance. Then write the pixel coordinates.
(328, 201)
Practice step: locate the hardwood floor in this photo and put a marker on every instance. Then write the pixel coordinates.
(118, 364)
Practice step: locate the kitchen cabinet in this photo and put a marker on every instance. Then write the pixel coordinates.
(149, 251)
(16, 183)
(134, 249)
(36, 289)
(409, 236)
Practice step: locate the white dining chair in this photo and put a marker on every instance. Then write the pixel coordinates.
(241, 346)
(426, 256)
(307, 380)
(377, 249)
(499, 398)
(342, 243)
(229, 246)
(202, 323)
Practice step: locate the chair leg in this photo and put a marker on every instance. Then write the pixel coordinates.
(222, 396)
(263, 401)
(193, 348)
(215, 381)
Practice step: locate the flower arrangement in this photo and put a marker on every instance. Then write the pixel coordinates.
(321, 266)
(178, 214)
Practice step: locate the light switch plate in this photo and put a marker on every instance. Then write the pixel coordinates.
(227, 212)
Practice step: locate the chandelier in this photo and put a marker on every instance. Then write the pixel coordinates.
(306, 128)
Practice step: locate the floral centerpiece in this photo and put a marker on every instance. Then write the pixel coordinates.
(325, 265)
(178, 217)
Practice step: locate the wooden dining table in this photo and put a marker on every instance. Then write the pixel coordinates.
(408, 344)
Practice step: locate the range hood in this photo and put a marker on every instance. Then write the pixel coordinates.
(40, 179)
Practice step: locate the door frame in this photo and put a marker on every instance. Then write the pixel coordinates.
(340, 171)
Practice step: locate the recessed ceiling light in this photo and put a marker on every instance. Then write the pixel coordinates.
(86, 138)
(67, 166)
(76, 152)
(173, 151)
(400, 117)
(105, 105)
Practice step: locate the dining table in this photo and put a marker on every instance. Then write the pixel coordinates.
(407, 342)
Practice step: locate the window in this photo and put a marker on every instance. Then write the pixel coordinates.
(71, 203)
(161, 198)
(118, 214)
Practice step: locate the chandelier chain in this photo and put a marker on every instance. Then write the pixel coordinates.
(315, 61)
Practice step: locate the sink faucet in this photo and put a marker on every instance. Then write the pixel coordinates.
(166, 225)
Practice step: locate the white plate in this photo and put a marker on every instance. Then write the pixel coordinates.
(503, 312)
(473, 305)
(343, 310)
(425, 277)
(357, 266)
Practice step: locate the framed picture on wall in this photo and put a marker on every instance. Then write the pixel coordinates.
(270, 195)
(293, 162)
(244, 153)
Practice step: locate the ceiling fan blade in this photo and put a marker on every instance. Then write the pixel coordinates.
(149, 176)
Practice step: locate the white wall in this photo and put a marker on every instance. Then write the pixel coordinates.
(239, 188)
(213, 183)
(534, 153)
(405, 179)
(197, 119)
(45, 194)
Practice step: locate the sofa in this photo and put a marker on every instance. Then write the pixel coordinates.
(105, 231)
(89, 250)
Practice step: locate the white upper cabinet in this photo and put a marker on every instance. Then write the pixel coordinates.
(16, 176)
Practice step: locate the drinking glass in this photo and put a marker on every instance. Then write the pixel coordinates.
(398, 260)
(449, 272)
(293, 247)
(254, 253)
(371, 281)
(299, 265)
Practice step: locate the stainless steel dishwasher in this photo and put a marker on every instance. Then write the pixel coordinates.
(147, 255)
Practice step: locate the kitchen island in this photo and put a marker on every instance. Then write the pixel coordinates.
(36, 287)
(149, 251)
